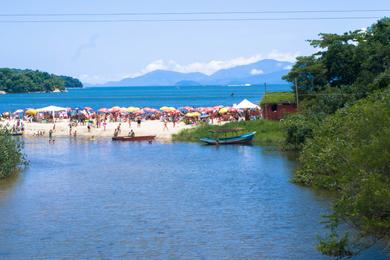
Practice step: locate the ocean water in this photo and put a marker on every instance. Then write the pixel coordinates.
(97, 97)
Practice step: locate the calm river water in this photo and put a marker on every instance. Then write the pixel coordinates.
(83, 199)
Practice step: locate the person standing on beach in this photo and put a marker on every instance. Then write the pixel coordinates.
(138, 122)
(104, 124)
(174, 121)
(70, 128)
(165, 122)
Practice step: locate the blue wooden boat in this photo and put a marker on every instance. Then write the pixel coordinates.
(241, 139)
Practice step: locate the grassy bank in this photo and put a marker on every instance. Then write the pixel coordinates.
(267, 132)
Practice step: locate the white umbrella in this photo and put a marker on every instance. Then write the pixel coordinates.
(18, 111)
(245, 104)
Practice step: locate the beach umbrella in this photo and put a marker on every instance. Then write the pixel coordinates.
(193, 114)
(18, 111)
(164, 108)
(167, 109)
(223, 110)
(115, 109)
(31, 112)
(139, 112)
(103, 110)
(150, 110)
(88, 108)
(123, 110)
(132, 109)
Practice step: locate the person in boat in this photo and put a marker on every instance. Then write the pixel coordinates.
(119, 128)
(131, 133)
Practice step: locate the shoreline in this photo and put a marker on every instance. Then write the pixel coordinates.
(61, 129)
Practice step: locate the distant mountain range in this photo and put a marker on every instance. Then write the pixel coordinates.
(270, 71)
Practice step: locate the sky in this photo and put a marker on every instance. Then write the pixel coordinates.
(101, 52)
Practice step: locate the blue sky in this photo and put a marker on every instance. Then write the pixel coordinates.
(99, 52)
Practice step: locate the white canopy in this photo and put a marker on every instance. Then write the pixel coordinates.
(245, 104)
(51, 109)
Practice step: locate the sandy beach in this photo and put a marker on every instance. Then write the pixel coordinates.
(148, 127)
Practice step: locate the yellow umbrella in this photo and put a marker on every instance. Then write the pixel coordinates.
(223, 110)
(167, 109)
(133, 109)
(31, 112)
(193, 114)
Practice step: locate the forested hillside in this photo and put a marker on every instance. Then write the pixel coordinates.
(20, 81)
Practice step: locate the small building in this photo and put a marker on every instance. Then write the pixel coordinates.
(276, 105)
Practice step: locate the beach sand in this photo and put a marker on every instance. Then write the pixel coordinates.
(149, 127)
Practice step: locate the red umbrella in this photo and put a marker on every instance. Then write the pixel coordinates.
(115, 109)
(103, 110)
(139, 112)
(188, 108)
(149, 110)
(88, 108)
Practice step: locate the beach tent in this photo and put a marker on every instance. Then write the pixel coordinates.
(246, 104)
(51, 109)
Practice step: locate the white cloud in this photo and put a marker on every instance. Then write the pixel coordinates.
(256, 72)
(283, 56)
(203, 67)
(214, 65)
(207, 68)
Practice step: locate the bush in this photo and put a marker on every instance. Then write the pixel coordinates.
(350, 153)
(10, 154)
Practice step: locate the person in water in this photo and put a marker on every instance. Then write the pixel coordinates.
(51, 140)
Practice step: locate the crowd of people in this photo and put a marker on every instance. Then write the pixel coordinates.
(122, 118)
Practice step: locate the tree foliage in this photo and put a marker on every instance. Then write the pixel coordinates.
(20, 81)
(343, 130)
(11, 156)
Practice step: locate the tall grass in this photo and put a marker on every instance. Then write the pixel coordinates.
(268, 133)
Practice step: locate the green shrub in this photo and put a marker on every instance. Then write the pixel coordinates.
(11, 156)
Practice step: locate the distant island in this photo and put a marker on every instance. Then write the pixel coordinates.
(268, 70)
(22, 81)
